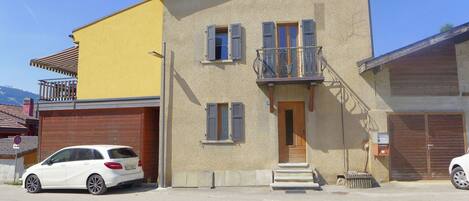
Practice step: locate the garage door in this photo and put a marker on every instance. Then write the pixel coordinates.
(422, 145)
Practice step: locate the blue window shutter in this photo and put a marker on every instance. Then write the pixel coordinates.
(211, 42)
(268, 41)
(236, 41)
(212, 121)
(309, 52)
(237, 121)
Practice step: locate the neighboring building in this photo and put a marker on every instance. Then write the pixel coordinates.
(421, 98)
(27, 156)
(18, 120)
(113, 94)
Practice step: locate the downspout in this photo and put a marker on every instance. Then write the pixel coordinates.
(342, 102)
(162, 133)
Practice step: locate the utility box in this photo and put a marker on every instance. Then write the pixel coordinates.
(380, 145)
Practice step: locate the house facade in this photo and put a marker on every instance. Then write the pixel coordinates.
(113, 92)
(256, 84)
(18, 120)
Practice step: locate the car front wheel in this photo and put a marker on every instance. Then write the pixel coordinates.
(96, 185)
(459, 178)
(32, 185)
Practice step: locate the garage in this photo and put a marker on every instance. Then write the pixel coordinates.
(135, 127)
(423, 144)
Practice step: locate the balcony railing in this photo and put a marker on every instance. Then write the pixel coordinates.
(64, 89)
(288, 64)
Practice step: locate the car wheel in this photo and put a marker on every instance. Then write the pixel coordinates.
(32, 185)
(459, 178)
(96, 185)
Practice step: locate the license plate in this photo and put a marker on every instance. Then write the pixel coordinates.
(129, 167)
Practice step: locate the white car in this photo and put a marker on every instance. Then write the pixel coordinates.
(92, 167)
(459, 171)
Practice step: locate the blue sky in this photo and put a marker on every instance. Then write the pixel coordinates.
(32, 28)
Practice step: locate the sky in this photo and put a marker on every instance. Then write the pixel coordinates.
(32, 28)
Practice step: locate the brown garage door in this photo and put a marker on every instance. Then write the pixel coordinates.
(136, 127)
(422, 145)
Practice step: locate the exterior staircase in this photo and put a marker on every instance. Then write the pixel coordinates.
(294, 176)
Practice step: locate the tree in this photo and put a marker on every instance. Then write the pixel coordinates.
(446, 27)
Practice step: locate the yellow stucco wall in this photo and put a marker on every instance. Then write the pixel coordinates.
(113, 58)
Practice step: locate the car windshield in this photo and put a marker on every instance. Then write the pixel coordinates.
(121, 153)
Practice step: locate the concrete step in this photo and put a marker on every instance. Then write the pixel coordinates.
(294, 178)
(293, 171)
(294, 185)
(293, 165)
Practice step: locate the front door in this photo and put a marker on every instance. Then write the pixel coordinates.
(291, 132)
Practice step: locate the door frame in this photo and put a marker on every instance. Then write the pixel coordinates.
(425, 114)
(304, 126)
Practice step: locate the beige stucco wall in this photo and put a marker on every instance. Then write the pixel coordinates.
(344, 32)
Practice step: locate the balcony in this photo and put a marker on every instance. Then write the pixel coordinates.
(58, 90)
(292, 65)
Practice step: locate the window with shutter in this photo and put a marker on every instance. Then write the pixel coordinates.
(212, 121)
(211, 42)
(268, 42)
(237, 121)
(236, 41)
(309, 46)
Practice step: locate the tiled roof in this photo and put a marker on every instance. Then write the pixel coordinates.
(12, 116)
(28, 143)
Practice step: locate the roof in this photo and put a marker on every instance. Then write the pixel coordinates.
(454, 33)
(64, 62)
(108, 16)
(12, 117)
(28, 143)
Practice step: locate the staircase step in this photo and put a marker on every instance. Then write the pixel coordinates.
(294, 178)
(293, 165)
(294, 185)
(294, 171)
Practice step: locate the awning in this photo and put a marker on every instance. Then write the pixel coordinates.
(64, 62)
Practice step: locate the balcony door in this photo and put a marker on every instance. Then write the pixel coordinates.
(287, 43)
(291, 132)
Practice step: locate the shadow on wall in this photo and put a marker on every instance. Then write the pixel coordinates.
(183, 8)
(355, 115)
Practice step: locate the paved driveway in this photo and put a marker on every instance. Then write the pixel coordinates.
(413, 191)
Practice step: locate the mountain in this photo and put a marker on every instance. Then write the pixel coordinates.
(13, 96)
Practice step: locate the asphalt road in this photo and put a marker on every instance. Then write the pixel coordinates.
(408, 191)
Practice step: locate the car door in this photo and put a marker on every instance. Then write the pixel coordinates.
(83, 164)
(53, 171)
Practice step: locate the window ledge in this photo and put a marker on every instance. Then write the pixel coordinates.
(217, 141)
(217, 61)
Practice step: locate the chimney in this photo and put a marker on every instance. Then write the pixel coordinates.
(28, 106)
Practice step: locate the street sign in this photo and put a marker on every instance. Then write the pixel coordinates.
(17, 139)
(15, 146)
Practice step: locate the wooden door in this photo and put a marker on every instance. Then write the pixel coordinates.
(291, 132)
(422, 145)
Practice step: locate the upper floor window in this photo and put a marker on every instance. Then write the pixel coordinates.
(224, 42)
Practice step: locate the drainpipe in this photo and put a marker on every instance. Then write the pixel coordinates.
(162, 133)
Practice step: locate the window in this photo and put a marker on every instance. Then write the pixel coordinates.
(224, 42)
(121, 153)
(97, 155)
(221, 43)
(218, 121)
(289, 127)
(62, 156)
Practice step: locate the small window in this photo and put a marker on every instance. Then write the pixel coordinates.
(62, 156)
(221, 43)
(121, 153)
(97, 155)
(82, 155)
(222, 133)
(289, 127)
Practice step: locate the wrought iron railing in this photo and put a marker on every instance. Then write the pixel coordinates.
(288, 62)
(62, 89)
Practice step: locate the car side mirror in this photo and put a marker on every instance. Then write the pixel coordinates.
(50, 162)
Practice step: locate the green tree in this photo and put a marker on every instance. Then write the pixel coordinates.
(446, 27)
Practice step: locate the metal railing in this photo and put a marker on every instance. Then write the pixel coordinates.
(288, 62)
(62, 89)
